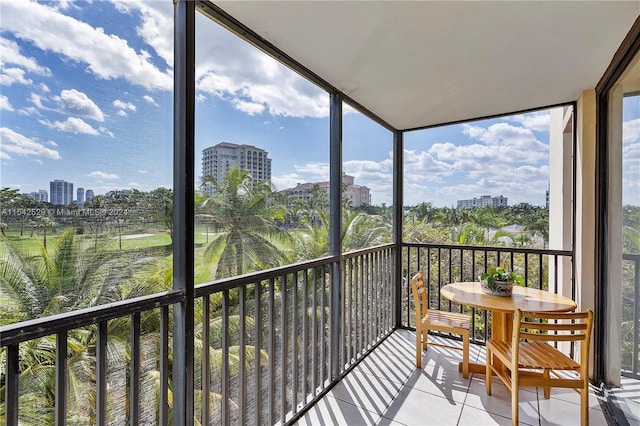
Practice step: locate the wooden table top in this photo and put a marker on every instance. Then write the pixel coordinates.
(523, 298)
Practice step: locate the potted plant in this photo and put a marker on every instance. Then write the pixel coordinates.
(498, 281)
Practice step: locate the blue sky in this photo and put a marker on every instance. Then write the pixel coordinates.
(86, 96)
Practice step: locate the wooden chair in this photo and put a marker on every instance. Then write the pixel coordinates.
(428, 319)
(529, 360)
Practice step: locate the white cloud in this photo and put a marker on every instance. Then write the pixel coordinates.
(506, 159)
(538, 121)
(150, 100)
(124, 105)
(102, 175)
(11, 55)
(105, 131)
(71, 125)
(37, 101)
(122, 113)
(157, 25)
(231, 69)
(631, 161)
(289, 180)
(44, 88)
(107, 56)
(631, 131)
(503, 143)
(5, 104)
(29, 111)
(316, 172)
(10, 76)
(74, 102)
(417, 165)
(15, 143)
(247, 107)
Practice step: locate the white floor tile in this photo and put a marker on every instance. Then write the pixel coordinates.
(440, 382)
(331, 411)
(387, 389)
(558, 412)
(415, 407)
(499, 402)
(474, 417)
(366, 391)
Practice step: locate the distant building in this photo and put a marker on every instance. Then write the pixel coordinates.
(88, 195)
(547, 199)
(80, 196)
(218, 159)
(118, 193)
(483, 201)
(358, 195)
(61, 192)
(41, 195)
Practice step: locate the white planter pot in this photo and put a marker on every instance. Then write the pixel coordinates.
(502, 288)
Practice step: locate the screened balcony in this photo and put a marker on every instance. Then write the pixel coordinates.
(329, 340)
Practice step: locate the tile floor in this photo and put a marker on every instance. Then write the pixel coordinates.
(387, 389)
(627, 399)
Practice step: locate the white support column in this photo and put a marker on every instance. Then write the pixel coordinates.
(585, 200)
(613, 321)
(561, 196)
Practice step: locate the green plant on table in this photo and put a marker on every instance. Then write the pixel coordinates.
(500, 273)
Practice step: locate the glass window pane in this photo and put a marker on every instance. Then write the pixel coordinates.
(86, 153)
(367, 182)
(262, 159)
(479, 183)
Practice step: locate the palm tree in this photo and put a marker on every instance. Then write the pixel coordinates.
(311, 239)
(71, 277)
(361, 230)
(68, 277)
(245, 213)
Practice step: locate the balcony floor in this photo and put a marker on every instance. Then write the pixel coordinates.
(387, 389)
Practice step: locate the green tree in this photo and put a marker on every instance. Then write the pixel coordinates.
(158, 205)
(68, 277)
(245, 214)
(71, 276)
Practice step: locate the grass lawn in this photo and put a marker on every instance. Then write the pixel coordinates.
(132, 242)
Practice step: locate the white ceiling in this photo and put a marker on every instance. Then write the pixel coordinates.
(422, 63)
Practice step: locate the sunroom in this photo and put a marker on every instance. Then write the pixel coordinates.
(268, 340)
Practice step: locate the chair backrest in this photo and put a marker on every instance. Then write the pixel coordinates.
(554, 327)
(420, 302)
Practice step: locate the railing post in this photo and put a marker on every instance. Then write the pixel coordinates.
(61, 379)
(335, 229)
(183, 209)
(12, 385)
(398, 171)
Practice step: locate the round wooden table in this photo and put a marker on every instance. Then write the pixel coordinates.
(502, 308)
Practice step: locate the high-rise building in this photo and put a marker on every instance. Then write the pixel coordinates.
(61, 192)
(80, 196)
(218, 159)
(483, 201)
(41, 195)
(88, 195)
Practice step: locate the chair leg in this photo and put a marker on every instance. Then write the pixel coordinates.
(547, 389)
(487, 377)
(514, 403)
(425, 338)
(418, 347)
(465, 355)
(584, 404)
